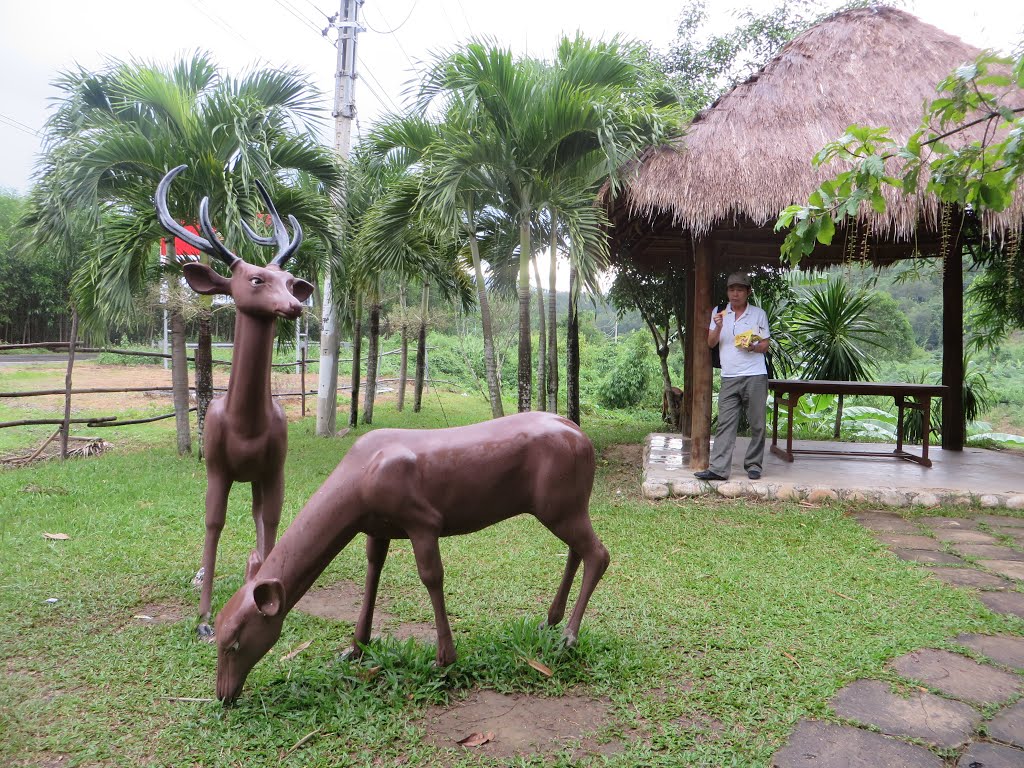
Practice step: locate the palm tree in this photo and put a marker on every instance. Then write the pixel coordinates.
(115, 134)
(466, 207)
(546, 136)
(394, 237)
(833, 327)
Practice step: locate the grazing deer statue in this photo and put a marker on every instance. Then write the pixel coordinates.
(421, 485)
(246, 432)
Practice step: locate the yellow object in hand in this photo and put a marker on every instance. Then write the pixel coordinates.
(745, 339)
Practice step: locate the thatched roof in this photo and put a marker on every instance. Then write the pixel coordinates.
(748, 156)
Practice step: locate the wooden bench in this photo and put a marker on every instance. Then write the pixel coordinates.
(908, 396)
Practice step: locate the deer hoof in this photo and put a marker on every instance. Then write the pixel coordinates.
(569, 639)
(197, 580)
(205, 632)
(352, 653)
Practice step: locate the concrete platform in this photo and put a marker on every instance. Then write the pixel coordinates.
(974, 476)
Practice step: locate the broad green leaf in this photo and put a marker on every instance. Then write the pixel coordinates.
(826, 230)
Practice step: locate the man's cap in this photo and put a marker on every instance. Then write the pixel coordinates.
(738, 278)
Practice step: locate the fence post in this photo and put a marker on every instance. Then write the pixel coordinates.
(302, 374)
(66, 426)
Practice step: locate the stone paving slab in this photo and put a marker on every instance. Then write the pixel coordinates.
(970, 577)
(991, 756)
(882, 521)
(964, 537)
(951, 523)
(1009, 568)
(1008, 726)
(909, 541)
(1011, 603)
(993, 551)
(1016, 535)
(823, 745)
(1002, 520)
(933, 719)
(958, 676)
(928, 557)
(1007, 650)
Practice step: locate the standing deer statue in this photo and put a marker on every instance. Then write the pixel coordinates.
(421, 485)
(246, 436)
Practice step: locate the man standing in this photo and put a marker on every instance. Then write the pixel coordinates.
(741, 331)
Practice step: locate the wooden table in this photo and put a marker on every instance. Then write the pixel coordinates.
(913, 396)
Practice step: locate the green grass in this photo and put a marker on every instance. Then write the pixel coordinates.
(749, 615)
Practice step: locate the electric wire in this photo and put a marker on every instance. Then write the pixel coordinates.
(465, 18)
(302, 19)
(18, 125)
(385, 99)
(394, 29)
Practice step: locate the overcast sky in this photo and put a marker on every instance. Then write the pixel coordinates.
(40, 38)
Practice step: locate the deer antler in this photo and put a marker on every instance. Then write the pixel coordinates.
(285, 248)
(213, 246)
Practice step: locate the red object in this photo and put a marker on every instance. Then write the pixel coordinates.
(181, 248)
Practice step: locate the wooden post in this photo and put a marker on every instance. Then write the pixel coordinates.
(953, 333)
(302, 374)
(65, 428)
(700, 424)
(692, 332)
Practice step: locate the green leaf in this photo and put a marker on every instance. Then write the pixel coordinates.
(826, 230)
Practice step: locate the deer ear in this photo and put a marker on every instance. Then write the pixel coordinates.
(269, 596)
(301, 290)
(203, 279)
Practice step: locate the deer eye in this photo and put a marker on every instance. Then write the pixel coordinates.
(233, 647)
(256, 280)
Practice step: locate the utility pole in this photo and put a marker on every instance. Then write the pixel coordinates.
(347, 24)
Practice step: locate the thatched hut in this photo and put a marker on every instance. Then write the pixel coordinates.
(708, 201)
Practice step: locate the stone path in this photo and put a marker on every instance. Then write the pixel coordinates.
(952, 710)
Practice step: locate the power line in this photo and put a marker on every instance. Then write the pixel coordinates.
(397, 41)
(226, 26)
(317, 9)
(368, 73)
(10, 121)
(465, 17)
(395, 29)
(305, 20)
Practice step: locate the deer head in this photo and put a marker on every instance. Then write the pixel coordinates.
(268, 291)
(247, 627)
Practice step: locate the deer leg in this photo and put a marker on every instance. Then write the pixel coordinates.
(557, 609)
(431, 570)
(267, 500)
(578, 533)
(376, 553)
(217, 488)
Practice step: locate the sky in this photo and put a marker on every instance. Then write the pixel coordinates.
(41, 38)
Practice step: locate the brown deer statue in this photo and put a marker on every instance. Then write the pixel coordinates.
(420, 485)
(246, 436)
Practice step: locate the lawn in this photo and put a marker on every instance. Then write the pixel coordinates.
(717, 626)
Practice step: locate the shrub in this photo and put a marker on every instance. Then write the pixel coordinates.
(629, 381)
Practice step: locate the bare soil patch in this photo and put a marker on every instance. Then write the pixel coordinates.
(161, 613)
(621, 468)
(520, 725)
(91, 375)
(341, 602)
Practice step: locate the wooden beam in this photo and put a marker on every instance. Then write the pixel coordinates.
(953, 436)
(700, 424)
(692, 331)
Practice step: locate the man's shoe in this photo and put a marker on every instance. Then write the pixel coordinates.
(707, 474)
(754, 474)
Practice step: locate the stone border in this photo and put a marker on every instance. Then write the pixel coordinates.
(656, 489)
(665, 453)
